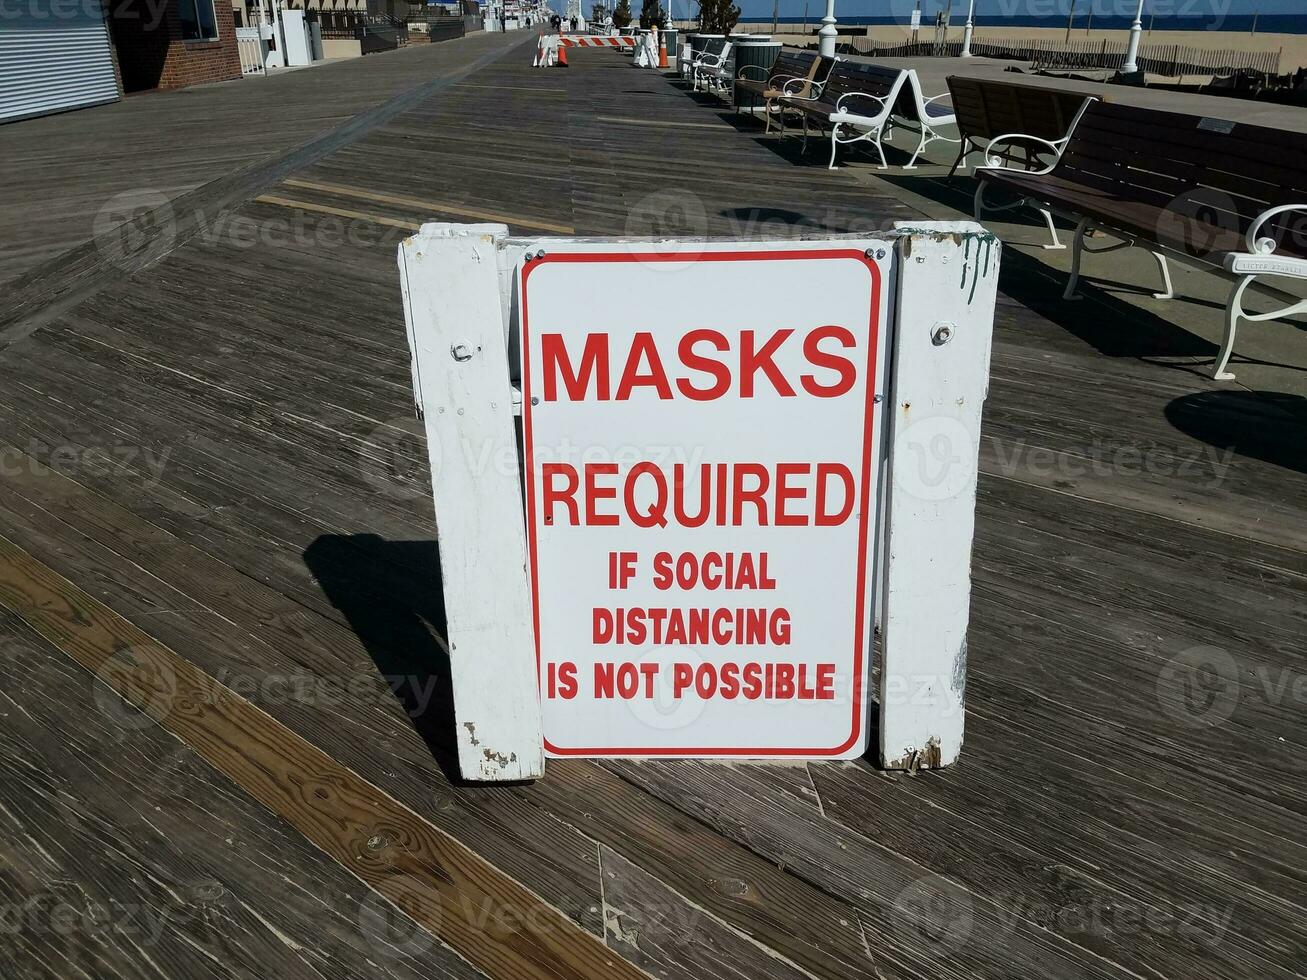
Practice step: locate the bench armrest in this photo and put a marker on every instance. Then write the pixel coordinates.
(780, 80)
(797, 83)
(1266, 246)
(715, 63)
(997, 162)
(933, 98)
(740, 73)
(839, 103)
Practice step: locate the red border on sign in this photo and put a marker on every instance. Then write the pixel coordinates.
(873, 344)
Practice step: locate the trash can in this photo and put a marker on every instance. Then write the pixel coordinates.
(758, 57)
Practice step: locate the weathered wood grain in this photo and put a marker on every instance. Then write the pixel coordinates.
(488, 918)
(125, 854)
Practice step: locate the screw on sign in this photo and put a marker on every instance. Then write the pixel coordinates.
(715, 601)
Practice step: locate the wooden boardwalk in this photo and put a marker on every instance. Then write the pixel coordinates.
(215, 509)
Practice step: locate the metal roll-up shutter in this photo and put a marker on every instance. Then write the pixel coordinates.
(54, 56)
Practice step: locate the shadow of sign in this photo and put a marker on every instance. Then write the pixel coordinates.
(390, 593)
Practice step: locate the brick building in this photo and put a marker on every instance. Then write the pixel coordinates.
(57, 55)
(173, 43)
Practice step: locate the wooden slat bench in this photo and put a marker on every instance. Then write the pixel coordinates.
(987, 109)
(1210, 192)
(858, 97)
(797, 73)
(864, 102)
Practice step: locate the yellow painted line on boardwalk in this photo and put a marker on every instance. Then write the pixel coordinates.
(286, 202)
(441, 207)
(656, 122)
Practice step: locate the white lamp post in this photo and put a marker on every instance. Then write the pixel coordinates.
(1132, 52)
(828, 33)
(967, 31)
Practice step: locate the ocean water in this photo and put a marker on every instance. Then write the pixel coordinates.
(1237, 23)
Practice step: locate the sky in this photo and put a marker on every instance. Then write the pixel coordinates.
(1056, 9)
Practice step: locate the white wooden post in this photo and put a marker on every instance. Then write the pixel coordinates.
(455, 315)
(943, 327)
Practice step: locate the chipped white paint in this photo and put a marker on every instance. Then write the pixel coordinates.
(455, 316)
(948, 278)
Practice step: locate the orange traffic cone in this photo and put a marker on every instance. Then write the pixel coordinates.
(662, 50)
(562, 55)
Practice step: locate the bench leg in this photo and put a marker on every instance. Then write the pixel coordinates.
(1233, 311)
(1056, 244)
(881, 150)
(834, 143)
(1077, 253)
(1168, 291)
(921, 145)
(978, 202)
(964, 151)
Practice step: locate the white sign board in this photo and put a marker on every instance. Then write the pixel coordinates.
(703, 441)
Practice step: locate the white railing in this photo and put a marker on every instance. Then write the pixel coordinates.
(253, 50)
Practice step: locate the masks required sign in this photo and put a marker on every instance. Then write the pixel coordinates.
(702, 436)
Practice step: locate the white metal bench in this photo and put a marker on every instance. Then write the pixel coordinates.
(922, 115)
(1041, 156)
(713, 69)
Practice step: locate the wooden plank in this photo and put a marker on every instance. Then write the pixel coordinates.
(128, 855)
(747, 892)
(491, 920)
(362, 679)
(640, 923)
(918, 922)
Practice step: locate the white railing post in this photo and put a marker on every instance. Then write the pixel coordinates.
(970, 28)
(1132, 52)
(828, 33)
